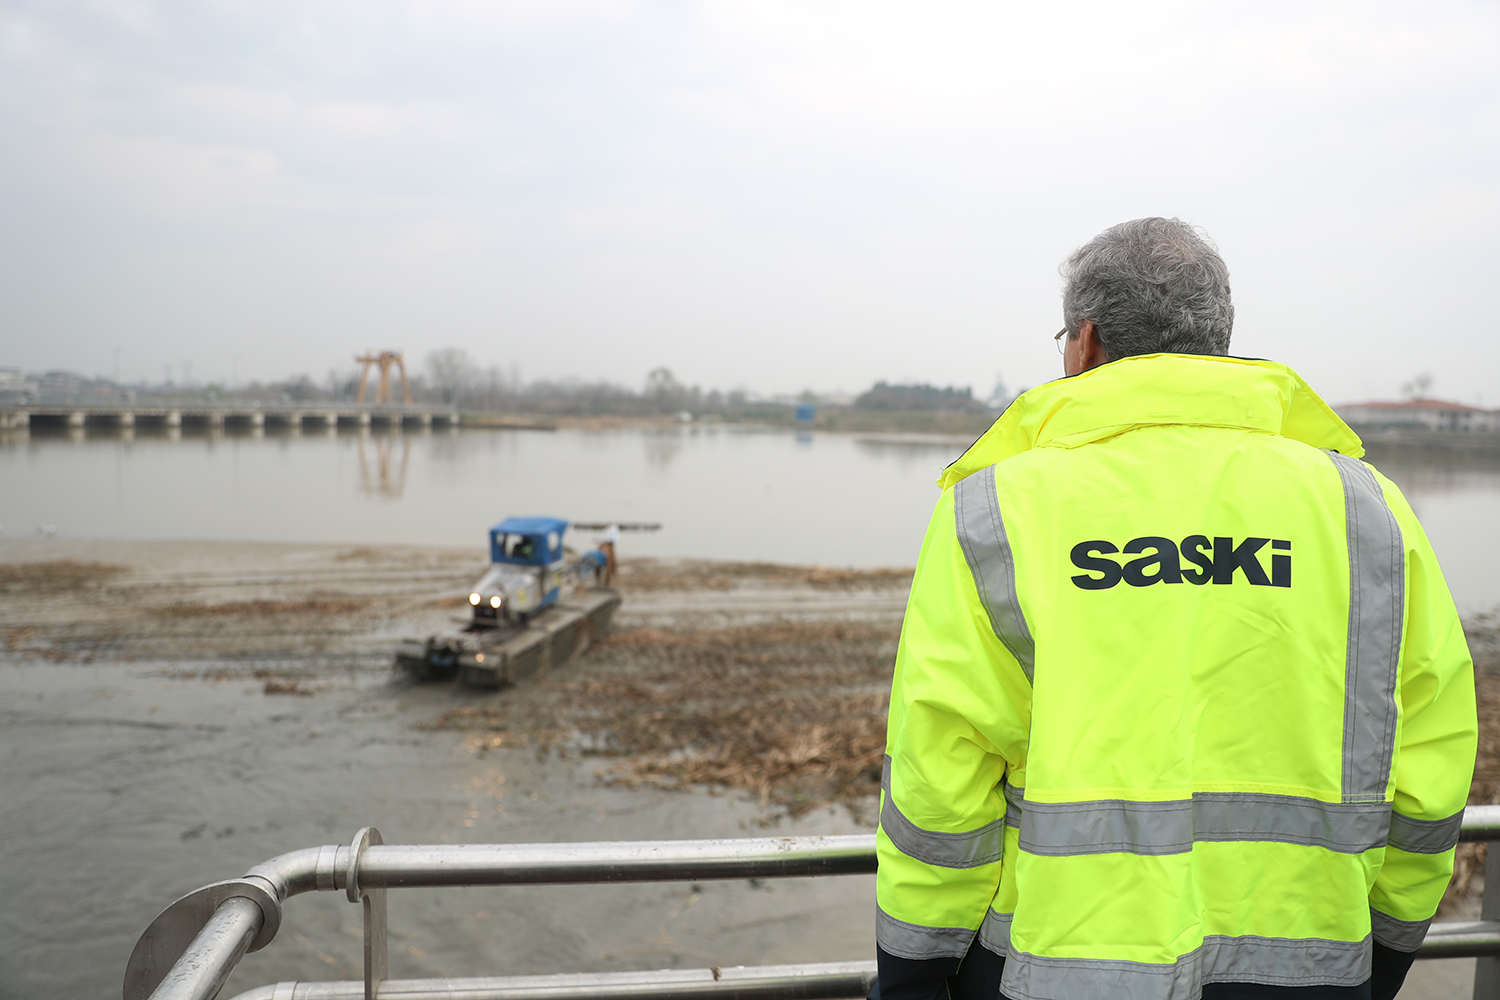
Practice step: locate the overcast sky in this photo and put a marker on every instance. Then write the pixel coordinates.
(765, 194)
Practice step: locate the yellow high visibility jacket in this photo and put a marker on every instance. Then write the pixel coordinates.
(1181, 696)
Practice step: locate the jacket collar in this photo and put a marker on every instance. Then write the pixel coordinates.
(1202, 390)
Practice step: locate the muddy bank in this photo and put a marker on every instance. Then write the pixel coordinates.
(1464, 891)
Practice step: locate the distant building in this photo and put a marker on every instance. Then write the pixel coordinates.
(62, 383)
(1420, 414)
(11, 380)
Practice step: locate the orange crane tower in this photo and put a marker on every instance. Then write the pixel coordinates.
(385, 359)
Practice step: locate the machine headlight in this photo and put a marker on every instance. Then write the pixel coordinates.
(474, 599)
(495, 601)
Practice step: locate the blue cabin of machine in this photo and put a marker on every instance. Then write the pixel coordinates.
(527, 541)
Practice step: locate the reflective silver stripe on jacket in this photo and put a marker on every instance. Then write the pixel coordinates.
(1425, 836)
(968, 849)
(1402, 935)
(1015, 799)
(1110, 825)
(1377, 596)
(1243, 959)
(981, 534)
(916, 941)
(994, 933)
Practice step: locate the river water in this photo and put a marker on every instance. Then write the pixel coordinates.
(126, 785)
(719, 492)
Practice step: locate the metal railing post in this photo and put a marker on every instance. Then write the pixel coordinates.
(1487, 967)
(377, 966)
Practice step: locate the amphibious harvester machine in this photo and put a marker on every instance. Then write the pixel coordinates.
(537, 606)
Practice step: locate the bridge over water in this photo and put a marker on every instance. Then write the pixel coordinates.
(221, 416)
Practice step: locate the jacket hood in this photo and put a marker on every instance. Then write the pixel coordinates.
(1204, 390)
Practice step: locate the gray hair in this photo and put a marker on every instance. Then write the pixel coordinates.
(1150, 285)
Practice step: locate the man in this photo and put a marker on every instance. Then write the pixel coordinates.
(1182, 705)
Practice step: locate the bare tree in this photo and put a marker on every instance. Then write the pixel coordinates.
(299, 388)
(663, 390)
(499, 388)
(453, 372)
(1418, 387)
(341, 383)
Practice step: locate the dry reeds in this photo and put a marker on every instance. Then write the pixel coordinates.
(794, 713)
(1468, 868)
(651, 574)
(55, 575)
(260, 609)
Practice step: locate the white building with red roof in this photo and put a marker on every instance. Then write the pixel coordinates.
(1420, 414)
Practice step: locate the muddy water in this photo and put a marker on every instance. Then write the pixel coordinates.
(124, 786)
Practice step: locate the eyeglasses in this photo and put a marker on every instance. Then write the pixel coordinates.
(1058, 340)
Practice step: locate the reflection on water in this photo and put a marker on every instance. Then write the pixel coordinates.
(1456, 495)
(720, 492)
(895, 449)
(1423, 472)
(662, 446)
(385, 482)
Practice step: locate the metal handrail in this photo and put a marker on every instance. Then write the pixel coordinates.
(824, 981)
(192, 947)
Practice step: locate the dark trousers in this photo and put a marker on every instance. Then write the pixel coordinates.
(977, 977)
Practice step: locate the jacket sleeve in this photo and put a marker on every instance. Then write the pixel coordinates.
(1434, 761)
(959, 715)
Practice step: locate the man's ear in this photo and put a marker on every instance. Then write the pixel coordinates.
(1091, 349)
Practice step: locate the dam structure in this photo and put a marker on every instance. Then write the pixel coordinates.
(223, 416)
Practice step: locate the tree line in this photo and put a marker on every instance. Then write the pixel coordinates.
(452, 377)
